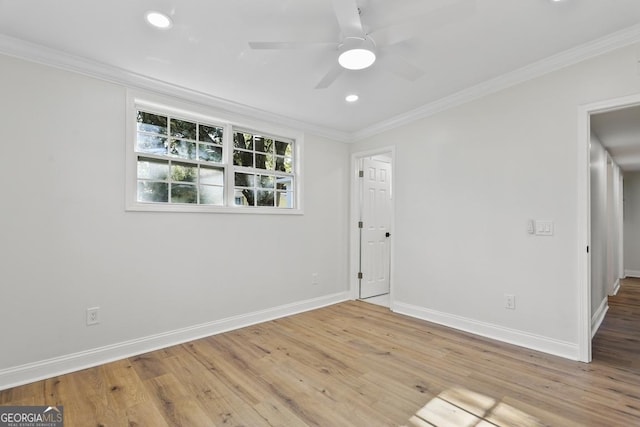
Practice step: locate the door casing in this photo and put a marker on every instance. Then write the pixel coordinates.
(583, 222)
(354, 231)
(375, 215)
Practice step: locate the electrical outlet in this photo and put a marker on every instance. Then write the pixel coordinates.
(93, 316)
(314, 279)
(510, 301)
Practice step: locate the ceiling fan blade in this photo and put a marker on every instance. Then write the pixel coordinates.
(291, 45)
(437, 18)
(399, 66)
(348, 16)
(330, 77)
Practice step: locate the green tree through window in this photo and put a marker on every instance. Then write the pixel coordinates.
(184, 161)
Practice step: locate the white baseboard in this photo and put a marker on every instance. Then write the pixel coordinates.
(616, 287)
(564, 349)
(598, 316)
(632, 273)
(24, 374)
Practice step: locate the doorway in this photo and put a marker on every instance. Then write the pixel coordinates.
(591, 263)
(371, 225)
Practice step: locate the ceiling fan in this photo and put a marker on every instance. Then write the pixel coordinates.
(358, 49)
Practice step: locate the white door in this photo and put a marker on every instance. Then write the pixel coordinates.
(375, 228)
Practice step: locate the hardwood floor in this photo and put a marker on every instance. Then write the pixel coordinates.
(618, 340)
(357, 364)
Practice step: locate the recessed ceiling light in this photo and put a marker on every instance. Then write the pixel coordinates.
(158, 20)
(357, 53)
(351, 98)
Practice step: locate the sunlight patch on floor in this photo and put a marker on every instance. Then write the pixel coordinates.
(464, 408)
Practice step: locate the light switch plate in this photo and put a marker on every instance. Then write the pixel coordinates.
(544, 228)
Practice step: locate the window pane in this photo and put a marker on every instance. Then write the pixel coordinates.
(266, 181)
(265, 198)
(284, 199)
(284, 183)
(153, 191)
(244, 197)
(184, 193)
(263, 145)
(149, 122)
(265, 161)
(183, 149)
(243, 140)
(210, 153)
(210, 195)
(283, 164)
(211, 176)
(243, 158)
(151, 144)
(152, 169)
(244, 179)
(211, 134)
(284, 148)
(184, 172)
(183, 129)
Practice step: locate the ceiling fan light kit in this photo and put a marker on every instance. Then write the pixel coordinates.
(357, 53)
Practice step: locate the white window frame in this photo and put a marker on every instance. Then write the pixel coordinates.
(258, 171)
(199, 113)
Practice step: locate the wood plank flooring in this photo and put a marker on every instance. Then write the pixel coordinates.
(357, 364)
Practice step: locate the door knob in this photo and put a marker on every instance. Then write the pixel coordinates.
(387, 234)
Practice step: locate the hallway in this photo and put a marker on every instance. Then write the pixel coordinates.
(617, 342)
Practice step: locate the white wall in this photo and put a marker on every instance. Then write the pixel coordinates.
(632, 224)
(615, 235)
(68, 244)
(620, 226)
(605, 229)
(468, 179)
(598, 248)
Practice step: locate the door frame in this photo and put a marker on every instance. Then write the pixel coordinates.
(354, 217)
(583, 222)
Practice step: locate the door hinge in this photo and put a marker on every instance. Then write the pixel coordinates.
(360, 224)
(360, 275)
(361, 174)
(587, 249)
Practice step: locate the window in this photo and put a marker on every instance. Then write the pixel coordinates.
(185, 161)
(178, 161)
(263, 171)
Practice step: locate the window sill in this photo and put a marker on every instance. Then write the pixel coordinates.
(157, 207)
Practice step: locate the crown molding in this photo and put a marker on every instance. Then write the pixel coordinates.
(63, 60)
(33, 52)
(564, 59)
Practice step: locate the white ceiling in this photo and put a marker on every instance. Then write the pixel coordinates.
(619, 132)
(459, 44)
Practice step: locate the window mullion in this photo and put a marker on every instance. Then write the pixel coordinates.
(170, 181)
(198, 195)
(229, 175)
